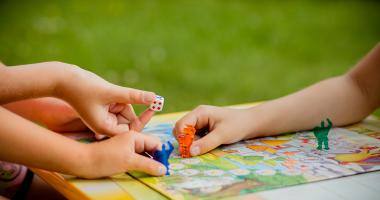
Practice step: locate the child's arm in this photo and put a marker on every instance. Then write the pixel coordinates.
(104, 107)
(53, 113)
(30, 81)
(23, 142)
(345, 99)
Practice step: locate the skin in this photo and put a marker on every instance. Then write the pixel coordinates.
(55, 114)
(66, 98)
(105, 109)
(345, 99)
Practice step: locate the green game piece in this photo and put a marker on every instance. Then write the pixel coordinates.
(321, 134)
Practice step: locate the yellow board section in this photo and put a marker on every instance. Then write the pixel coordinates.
(274, 143)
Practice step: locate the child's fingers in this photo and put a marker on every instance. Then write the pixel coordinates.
(146, 116)
(142, 120)
(145, 142)
(103, 122)
(132, 96)
(206, 143)
(147, 165)
(199, 118)
(99, 136)
(124, 119)
(100, 120)
(116, 107)
(122, 124)
(128, 113)
(188, 119)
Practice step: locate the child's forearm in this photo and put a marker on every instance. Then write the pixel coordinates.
(23, 142)
(29, 81)
(36, 109)
(338, 99)
(345, 99)
(46, 111)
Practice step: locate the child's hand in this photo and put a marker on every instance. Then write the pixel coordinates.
(59, 153)
(104, 107)
(225, 126)
(120, 154)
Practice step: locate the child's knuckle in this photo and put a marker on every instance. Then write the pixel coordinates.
(204, 110)
(129, 163)
(201, 108)
(178, 124)
(100, 130)
(103, 128)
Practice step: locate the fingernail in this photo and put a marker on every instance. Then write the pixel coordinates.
(99, 136)
(194, 151)
(181, 135)
(162, 170)
(148, 97)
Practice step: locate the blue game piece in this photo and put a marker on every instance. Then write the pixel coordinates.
(163, 155)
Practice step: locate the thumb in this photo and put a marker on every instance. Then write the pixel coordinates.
(206, 143)
(147, 165)
(132, 96)
(139, 123)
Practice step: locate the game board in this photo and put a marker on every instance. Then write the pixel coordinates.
(265, 163)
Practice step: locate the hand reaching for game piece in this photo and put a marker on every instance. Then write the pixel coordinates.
(225, 126)
(120, 154)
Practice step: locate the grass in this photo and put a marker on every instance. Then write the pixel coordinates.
(195, 52)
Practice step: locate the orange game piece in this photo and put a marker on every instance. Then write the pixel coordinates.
(185, 140)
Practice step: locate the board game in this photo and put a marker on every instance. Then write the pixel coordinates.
(265, 163)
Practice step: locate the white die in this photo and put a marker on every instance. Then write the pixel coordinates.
(157, 104)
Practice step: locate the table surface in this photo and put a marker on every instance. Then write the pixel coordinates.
(361, 186)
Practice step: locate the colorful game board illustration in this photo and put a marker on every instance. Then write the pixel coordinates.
(265, 163)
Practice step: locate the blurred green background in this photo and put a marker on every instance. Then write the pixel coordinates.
(195, 52)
